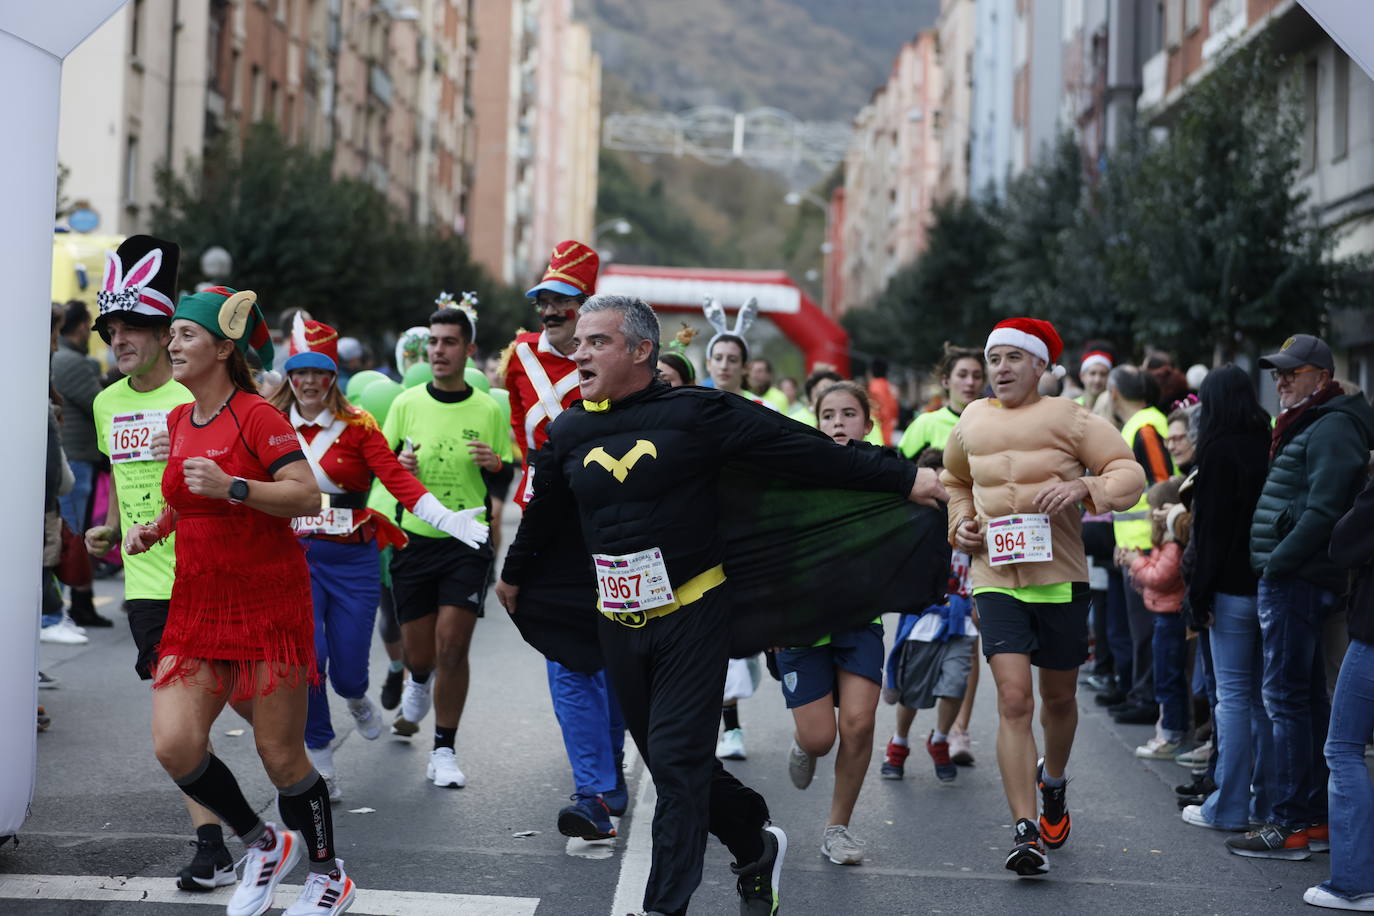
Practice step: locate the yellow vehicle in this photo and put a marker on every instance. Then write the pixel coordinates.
(78, 267)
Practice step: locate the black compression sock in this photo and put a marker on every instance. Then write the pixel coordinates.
(729, 715)
(214, 786)
(304, 808)
(419, 677)
(444, 737)
(212, 834)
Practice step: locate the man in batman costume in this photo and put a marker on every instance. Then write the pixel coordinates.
(708, 536)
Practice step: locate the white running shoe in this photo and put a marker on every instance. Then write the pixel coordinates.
(63, 634)
(324, 894)
(415, 700)
(1157, 748)
(840, 847)
(443, 769)
(801, 766)
(365, 718)
(263, 870)
(1320, 896)
(731, 745)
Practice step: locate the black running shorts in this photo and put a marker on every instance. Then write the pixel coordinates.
(147, 617)
(1055, 636)
(429, 572)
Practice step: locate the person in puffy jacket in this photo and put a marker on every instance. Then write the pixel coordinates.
(1318, 460)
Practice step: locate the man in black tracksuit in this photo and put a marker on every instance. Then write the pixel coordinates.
(638, 463)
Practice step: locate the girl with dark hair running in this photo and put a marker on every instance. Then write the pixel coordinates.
(239, 624)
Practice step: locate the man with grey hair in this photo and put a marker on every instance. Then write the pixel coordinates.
(639, 465)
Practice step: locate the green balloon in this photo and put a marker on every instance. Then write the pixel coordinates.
(377, 397)
(502, 398)
(419, 374)
(358, 382)
(476, 378)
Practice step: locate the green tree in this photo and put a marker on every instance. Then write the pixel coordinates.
(945, 295)
(334, 248)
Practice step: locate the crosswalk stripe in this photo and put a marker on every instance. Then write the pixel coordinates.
(163, 890)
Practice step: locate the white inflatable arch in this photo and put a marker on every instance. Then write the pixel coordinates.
(34, 40)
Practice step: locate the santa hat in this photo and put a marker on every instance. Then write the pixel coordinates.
(313, 345)
(140, 283)
(572, 271)
(1096, 358)
(1036, 337)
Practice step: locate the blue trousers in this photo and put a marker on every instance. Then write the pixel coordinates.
(593, 727)
(1118, 628)
(76, 504)
(345, 584)
(1294, 690)
(1169, 646)
(1352, 797)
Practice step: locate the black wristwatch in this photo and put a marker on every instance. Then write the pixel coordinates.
(238, 491)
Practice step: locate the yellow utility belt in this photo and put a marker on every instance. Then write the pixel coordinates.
(686, 593)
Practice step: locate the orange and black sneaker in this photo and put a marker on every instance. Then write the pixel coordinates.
(1054, 810)
(1319, 838)
(1273, 841)
(1028, 857)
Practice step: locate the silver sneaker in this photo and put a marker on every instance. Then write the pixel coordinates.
(731, 745)
(801, 766)
(415, 700)
(842, 848)
(366, 719)
(323, 759)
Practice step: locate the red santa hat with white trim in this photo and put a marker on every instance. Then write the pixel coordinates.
(1035, 336)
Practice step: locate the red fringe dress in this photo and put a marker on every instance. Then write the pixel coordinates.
(242, 588)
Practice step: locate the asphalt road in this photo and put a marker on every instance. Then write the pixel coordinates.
(108, 830)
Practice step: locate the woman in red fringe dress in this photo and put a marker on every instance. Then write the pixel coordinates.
(240, 624)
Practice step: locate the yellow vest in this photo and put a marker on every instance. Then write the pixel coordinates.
(1132, 528)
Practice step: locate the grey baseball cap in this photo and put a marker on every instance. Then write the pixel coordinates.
(1300, 350)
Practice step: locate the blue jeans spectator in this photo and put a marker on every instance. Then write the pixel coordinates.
(1243, 735)
(1351, 795)
(1118, 629)
(77, 503)
(1169, 648)
(1294, 688)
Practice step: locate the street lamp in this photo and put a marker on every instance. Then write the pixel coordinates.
(619, 225)
(793, 198)
(216, 264)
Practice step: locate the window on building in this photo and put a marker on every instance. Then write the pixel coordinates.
(274, 101)
(214, 44)
(255, 94)
(1192, 16)
(1340, 106)
(1311, 73)
(131, 171)
(1173, 23)
(135, 26)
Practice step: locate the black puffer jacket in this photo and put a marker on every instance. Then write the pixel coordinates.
(1352, 547)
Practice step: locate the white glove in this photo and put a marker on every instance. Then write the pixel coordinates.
(462, 524)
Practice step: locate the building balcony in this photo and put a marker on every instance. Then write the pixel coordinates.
(379, 83)
(1152, 79)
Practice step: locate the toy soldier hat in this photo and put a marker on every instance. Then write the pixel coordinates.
(314, 345)
(572, 271)
(140, 283)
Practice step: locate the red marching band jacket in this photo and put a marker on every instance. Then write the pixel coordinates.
(542, 383)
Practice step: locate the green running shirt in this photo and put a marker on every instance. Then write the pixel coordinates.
(138, 485)
(441, 431)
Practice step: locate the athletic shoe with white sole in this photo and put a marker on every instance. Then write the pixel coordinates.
(47, 681)
(366, 719)
(1197, 757)
(1320, 896)
(1158, 748)
(263, 870)
(731, 745)
(62, 634)
(324, 895)
(759, 882)
(960, 748)
(1192, 814)
(1028, 857)
(443, 769)
(415, 700)
(323, 759)
(210, 867)
(801, 766)
(1055, 822)
(841, 847)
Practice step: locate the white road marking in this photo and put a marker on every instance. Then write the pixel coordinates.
(635, 861)
(163, 890)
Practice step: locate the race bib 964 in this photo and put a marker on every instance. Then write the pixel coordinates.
(1019, 539)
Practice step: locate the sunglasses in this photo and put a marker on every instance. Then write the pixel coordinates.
(1288, 375)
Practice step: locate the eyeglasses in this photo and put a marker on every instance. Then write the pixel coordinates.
(1288, 375)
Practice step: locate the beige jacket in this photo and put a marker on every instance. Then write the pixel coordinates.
(998, 459)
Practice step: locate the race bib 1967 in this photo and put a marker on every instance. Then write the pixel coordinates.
(1019, 539)
(635, 582)
(131, 435)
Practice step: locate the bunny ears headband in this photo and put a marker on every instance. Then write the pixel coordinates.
(715, 314)
(139, 283)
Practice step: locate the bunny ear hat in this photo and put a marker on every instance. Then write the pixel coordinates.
(715, 314)
(139, 284)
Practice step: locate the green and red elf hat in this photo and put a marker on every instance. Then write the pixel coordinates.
(230, 315)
